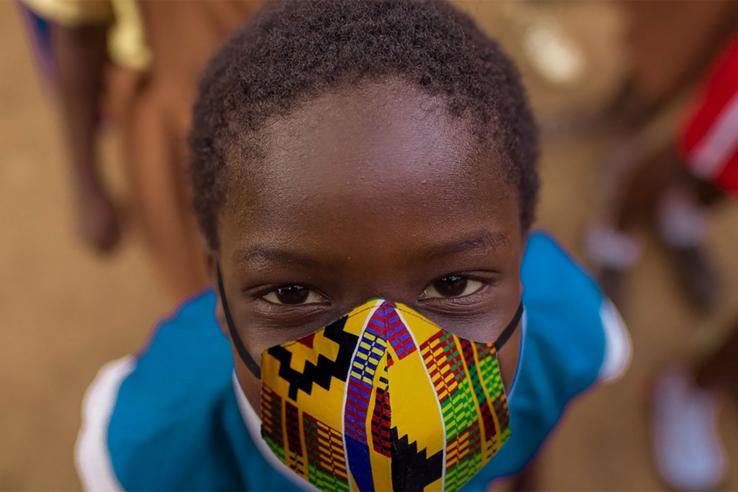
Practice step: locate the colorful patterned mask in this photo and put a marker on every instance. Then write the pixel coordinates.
(383, 399)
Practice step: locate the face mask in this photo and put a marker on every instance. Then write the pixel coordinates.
(382, 399)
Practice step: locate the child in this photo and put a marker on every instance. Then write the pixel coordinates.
(365, 176)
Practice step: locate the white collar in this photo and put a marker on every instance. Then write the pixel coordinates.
(253, 425)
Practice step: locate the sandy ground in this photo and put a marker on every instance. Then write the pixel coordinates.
(66, 312)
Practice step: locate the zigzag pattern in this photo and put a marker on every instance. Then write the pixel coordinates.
(411, 468)
(326, 369)
(461, 372)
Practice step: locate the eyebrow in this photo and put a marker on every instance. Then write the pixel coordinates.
(261, 254)
(482, 240)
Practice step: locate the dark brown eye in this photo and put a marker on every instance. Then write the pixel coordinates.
(293, 294)
(450, 285)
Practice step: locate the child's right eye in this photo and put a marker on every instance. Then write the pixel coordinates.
(293, 294)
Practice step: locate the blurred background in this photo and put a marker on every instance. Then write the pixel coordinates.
(69, 308)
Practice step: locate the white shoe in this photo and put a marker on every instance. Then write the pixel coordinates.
(687, 448)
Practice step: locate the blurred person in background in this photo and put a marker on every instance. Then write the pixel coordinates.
(135, 64)
(686, 441)
(670, 183)
(643, 186)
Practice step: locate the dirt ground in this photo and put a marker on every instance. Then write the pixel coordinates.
(66, 311)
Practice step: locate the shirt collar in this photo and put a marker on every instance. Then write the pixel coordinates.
(253, 425)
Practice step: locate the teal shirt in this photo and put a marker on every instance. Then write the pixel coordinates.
(169, 418)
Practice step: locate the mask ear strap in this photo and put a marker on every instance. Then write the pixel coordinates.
(240, 348)
(510, 328)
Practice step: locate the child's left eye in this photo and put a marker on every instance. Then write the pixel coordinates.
(293, 294)
(452, 286)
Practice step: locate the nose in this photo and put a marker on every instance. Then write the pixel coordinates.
(386, 328)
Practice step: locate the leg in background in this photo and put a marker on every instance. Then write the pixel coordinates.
(687, 447)
(161, 199)
(79, 56)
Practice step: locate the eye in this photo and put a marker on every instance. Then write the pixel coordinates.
(293, 294)
(452, 286)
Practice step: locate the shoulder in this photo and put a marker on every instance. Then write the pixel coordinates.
(92, 457)
(155, 420)
(572, 338)
(570, 317)
(549, 271)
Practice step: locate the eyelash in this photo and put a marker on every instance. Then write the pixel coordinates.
(264, 291)
(285, 316)
(430, 300)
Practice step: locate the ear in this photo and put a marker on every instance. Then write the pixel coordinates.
(211, 260)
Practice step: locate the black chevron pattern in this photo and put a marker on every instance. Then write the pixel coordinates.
(326, 369)
(411, 469)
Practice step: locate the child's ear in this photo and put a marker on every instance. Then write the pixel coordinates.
(209, 255)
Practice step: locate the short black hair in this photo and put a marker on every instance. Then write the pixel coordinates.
(294, 50)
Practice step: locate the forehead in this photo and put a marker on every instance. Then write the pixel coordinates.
(380, 154)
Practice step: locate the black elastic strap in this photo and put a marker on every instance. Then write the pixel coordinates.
(240, 348)
(509, 329)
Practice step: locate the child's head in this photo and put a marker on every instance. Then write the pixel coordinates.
(344, 149)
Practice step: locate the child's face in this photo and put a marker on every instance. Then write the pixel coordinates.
(372, 192)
